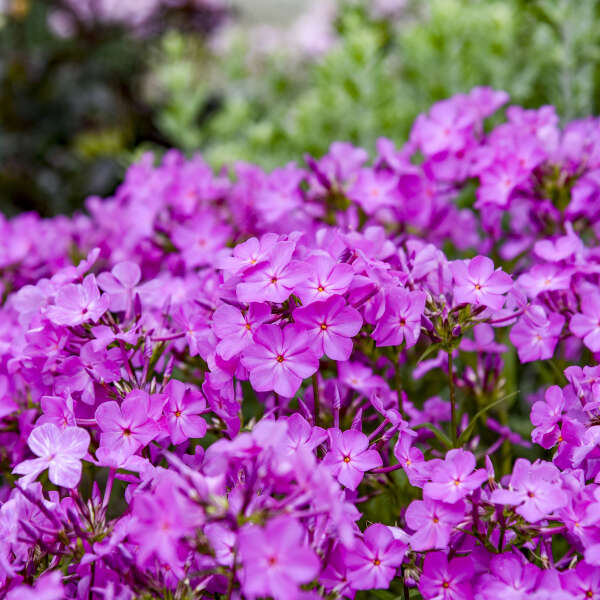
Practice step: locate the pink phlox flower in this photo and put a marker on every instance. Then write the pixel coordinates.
(182, 412)
(546, 415)
(545, 278)
(130, 426)
(446, 580)
(534, 489)
(483, 341)
(375, 558)
(586, 325)
(120, 285)
(401, 320)
(454, 478)
(433, 522)
(330, 325)
(301, 434)
(59, 450)
(536, 334)
(78, 303)
(279, 359)
(235, 329)
(276, 559)
(477, 283)
(510, 577)
(274, 280)
(349, 457)
(325, 277)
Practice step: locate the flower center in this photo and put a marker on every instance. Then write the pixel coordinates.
(436, 520)
(589, 594)
(273, 279)
(177, 413)
(346, 459)
(248, 326)
(127, 432)
(477, 286)
(280, 358)
(320, 289)
(376, 562)
(530, 494)
(272, 560)
(323, 326)
(445, 585)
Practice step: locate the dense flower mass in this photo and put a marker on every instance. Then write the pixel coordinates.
(308, 383)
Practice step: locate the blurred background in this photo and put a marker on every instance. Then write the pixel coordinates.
(87, 86)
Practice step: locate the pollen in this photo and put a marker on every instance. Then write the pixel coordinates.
(445, 585)
(248, 326)
(320, 289)
(280, 358)
(376, 562)
(127, 432)
(273, 279)
(346, 459)
(477, 286)
(177, 413)
(436, 520)
(323, 326)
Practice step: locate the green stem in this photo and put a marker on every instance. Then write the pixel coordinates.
(454, 425)
(315, 386)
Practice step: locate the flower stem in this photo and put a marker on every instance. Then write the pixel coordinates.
(454, 424)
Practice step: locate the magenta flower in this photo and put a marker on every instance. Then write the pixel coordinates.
(443, 580)
(583, 581)
(433, 522)
(536, 334)
(279, 359)
(374, 190)
(274, 280)
(534, 489)
(128, 427)
(182, 412)
(349, 457)
(586, 325)
(477, 283)
(301, 434)
(374, 560)
(48, 586)
(76, 304)
(59, 450)
(236, 329)
(546, 415)
(510, 578)
(454, 478)
(120, 285)
(330, 326)
(275, 559)
(325, 278)
(401, 320)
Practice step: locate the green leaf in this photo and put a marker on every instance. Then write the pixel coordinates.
(464, 436)
(429, 351)
(439, 434)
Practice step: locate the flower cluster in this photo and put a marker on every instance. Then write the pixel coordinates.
(302, 384)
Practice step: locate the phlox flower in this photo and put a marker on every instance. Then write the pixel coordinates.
(324, 278)
(330, 325)
(182, 412)
(58, 450)
(446, 580)
(349, 457)
(120, 284)
(432, 521)
(235, 329)
(130, 426)
(401, 320)
(476, 282)
(586, 325)
(534, 489)
(279, 359)
(375, 558)
(275, 559)
(510, 577)
(454, 478)
(274, 280)
(536, 334)
(78, 303)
